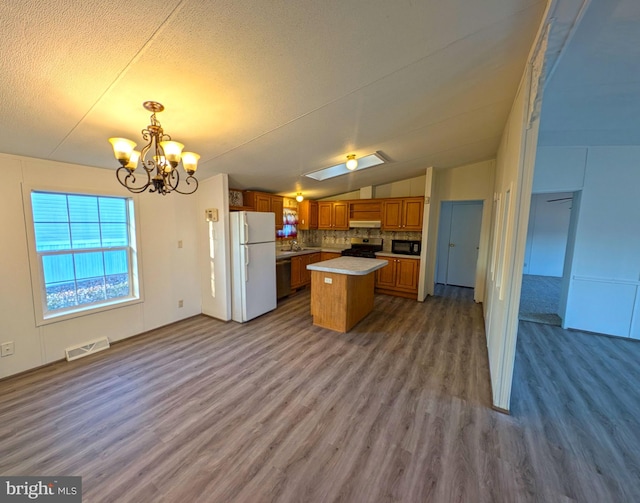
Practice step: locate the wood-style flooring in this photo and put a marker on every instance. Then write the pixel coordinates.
(398, 409)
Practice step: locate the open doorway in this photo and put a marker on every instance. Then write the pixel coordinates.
(458, 243)
(544, 261)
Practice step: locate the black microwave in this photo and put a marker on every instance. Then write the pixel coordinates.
(405, 247)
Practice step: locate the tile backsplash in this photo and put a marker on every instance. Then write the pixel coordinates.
(340, 238)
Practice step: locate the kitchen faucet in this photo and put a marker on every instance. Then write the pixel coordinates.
(294, 245)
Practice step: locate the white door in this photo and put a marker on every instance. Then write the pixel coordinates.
(259, 276)
(464, 242)
(258, 227)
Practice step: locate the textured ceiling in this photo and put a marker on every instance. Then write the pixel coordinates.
(593, 97)
(266, 91)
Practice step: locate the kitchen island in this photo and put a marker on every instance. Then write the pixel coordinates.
(342, 291)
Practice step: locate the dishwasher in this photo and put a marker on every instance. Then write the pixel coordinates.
(283, 277)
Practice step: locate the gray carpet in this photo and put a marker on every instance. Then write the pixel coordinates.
(540, 299)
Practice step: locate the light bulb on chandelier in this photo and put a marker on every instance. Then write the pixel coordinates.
(159, 157)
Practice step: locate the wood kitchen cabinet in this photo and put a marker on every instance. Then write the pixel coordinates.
(333, 215)
(300, 276)
(329, 255)
(277, 207)
(399, 277)
(261, 201)
(307, 215)
(402, 214)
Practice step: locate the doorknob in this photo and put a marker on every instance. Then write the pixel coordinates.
(451, 245)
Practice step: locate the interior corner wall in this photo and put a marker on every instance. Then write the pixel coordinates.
(168, 273)
(472, 182)
(214, 257)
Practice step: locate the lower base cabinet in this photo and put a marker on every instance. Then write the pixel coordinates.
(300, 276)
(399, 277)
(329, 255)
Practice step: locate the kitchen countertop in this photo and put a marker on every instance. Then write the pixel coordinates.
(353, 266)
(397, 255)
(306, 251)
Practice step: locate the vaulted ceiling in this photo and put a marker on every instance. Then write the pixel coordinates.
(266, 90)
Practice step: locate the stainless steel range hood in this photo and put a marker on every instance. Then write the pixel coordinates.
(365, 224)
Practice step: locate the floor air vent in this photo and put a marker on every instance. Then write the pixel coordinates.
(87, 348)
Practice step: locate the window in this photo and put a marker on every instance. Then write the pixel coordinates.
(85, 249)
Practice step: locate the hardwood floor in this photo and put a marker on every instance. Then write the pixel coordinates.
(578, 396)
(398, 409)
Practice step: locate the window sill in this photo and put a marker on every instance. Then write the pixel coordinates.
(68, 314)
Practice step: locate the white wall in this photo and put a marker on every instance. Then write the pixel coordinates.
(168, 273)
(547, 234)
(513, 182)
(559, 169)
(425, 279)
(473, 182)
(604, 278)
(214, 258)
(411, 187)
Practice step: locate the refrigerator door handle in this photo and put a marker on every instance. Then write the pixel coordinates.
(246, 263)
(246, 227)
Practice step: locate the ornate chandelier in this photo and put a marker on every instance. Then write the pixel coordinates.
(159, 158)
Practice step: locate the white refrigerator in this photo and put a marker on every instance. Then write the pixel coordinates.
(253, 264)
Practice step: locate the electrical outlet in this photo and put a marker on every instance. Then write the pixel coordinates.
(7, 348)
(328, 281)
(181, 303)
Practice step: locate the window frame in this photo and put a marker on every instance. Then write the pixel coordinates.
(42, 314)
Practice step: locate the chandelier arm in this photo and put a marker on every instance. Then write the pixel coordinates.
(128, 180)
(148, 164)
(172, 179)
(188, 182)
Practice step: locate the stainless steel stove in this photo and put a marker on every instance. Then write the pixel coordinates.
(363, 247)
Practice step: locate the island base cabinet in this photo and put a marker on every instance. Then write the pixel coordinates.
(339, 301)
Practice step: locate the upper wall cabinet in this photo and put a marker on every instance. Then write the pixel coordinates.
(333, 215)
(261, 201)
(402, 214)
(307, 215)
(365, 209)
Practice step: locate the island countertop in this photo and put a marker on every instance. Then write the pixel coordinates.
(352, 266)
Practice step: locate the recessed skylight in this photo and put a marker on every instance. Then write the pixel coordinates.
(368, 161)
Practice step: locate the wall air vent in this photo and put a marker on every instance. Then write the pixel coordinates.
(86, 348)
